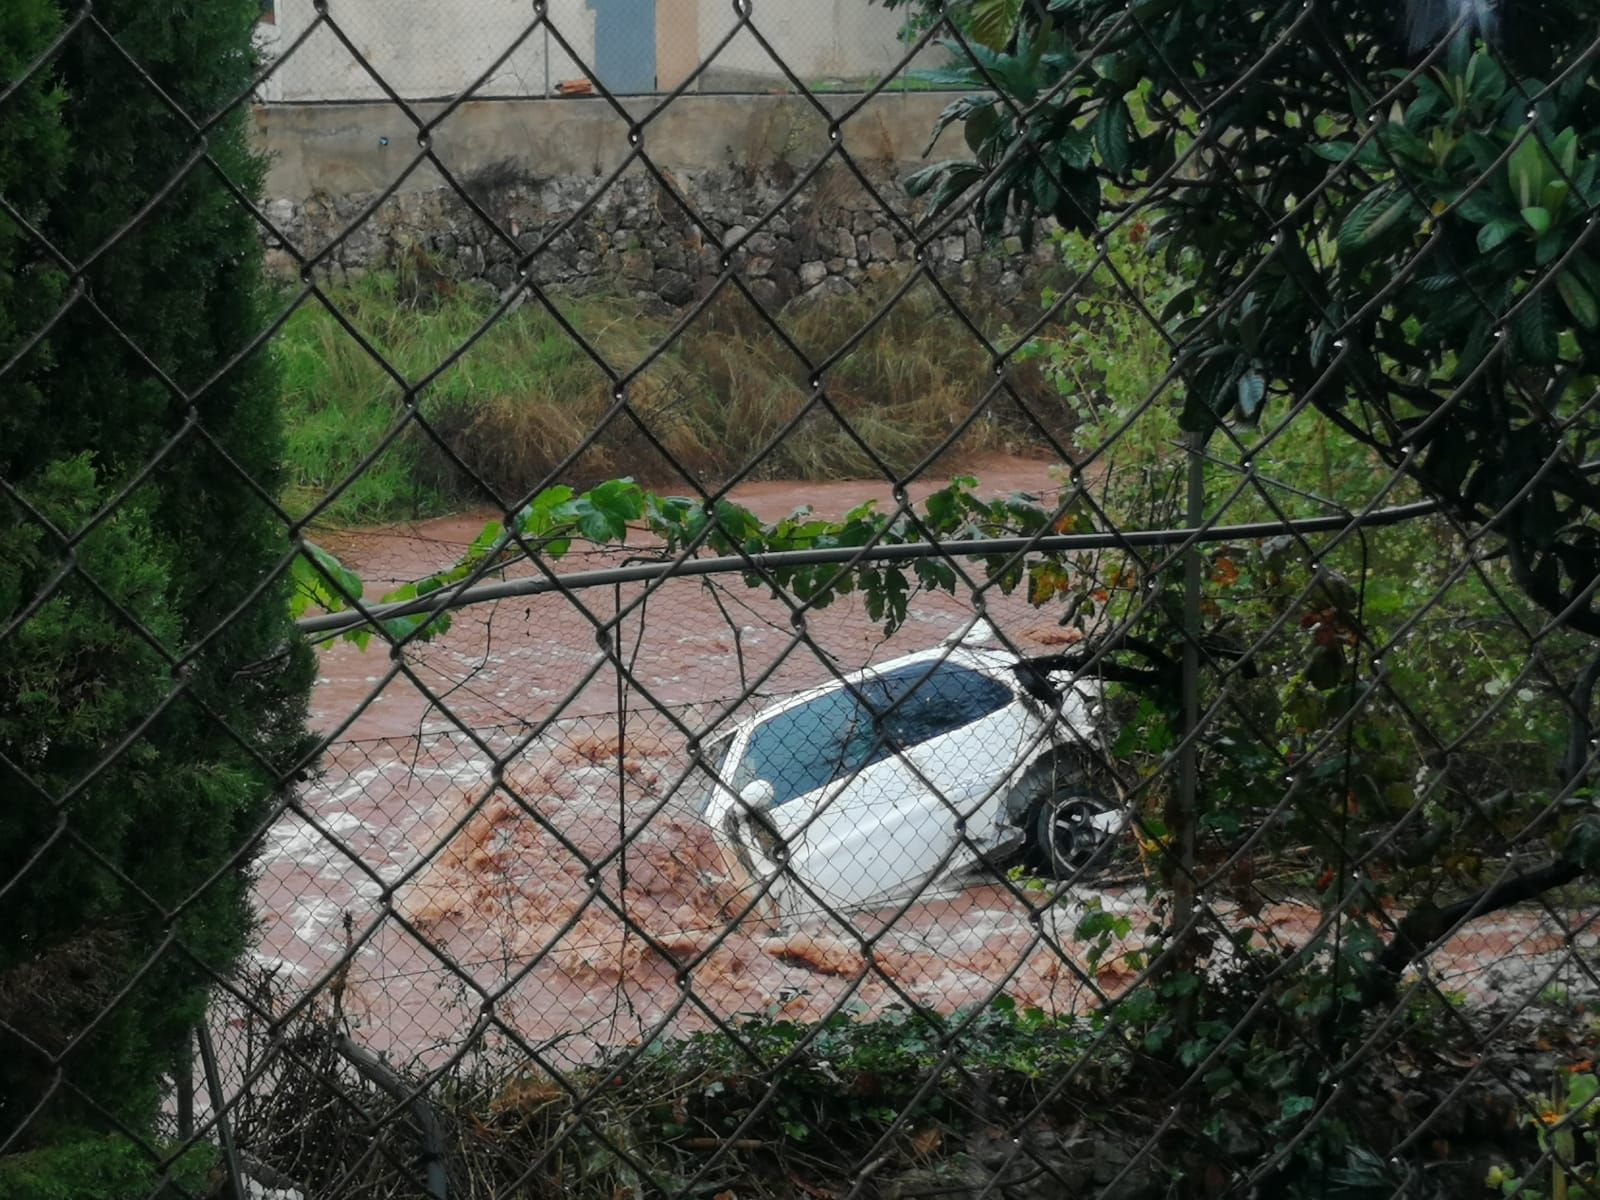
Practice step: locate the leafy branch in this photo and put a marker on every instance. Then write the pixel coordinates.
(610, 514)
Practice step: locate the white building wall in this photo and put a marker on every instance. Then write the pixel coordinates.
(819, 39)
(426, 48)
(435, 48)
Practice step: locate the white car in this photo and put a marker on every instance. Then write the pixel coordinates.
(862, 790)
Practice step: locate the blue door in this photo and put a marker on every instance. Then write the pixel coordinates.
(625, 45)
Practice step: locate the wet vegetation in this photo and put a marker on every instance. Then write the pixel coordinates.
(515, 409)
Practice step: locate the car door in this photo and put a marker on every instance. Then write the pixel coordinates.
(943, 735)
(834, 778)
(967, 734)
(860, 839)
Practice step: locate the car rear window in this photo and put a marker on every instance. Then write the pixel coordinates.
(843, 730)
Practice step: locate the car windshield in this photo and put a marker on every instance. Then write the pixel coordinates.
(845, 729)
(702, 786)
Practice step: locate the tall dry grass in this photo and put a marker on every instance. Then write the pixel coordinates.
(516, 406)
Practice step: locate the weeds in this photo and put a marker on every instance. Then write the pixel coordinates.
(770, 1107)
(517, 404)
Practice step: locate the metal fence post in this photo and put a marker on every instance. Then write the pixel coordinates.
(1187, 809)
(183, 1080)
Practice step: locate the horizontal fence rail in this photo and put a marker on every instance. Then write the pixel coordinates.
(901, 552)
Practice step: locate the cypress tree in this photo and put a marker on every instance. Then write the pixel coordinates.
(152, 690)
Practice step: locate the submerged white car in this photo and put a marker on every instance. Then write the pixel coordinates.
(862, 790)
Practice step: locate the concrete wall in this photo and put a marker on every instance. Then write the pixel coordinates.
(337, 149)
(435, 48)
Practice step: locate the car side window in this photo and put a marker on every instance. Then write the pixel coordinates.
(806, 747)
(938, 698)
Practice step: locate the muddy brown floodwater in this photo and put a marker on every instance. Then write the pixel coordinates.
(502, 822)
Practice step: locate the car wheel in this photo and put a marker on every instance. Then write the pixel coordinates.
(1063, 840)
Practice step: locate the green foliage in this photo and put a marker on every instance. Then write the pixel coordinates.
(1412, 233)
(1566, 1127)
(108, 1168)
(987, 21)
(848, 1083)
(524, 396)
(32, 158)
(1411, 285)
(781, 1107)
(607, 513)
(130, 779)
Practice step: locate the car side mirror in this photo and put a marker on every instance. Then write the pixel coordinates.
(757, 795)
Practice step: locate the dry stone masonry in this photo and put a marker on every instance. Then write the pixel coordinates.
(831, 238)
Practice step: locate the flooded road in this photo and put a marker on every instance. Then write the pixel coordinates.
(506, 825)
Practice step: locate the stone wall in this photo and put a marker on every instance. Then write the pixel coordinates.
(833, 237)
(532, 164)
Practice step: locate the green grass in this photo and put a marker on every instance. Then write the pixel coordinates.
(525, 396)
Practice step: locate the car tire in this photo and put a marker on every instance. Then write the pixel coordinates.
(1061, 841)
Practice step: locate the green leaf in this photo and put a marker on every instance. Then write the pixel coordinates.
(1548, 248)
(1181, 304)
(1553, 195)
(1487, 82)
(1494, 233)
(1536, 330)
(1252, 388)
(1588, 270)
(1366, 154)
(622, 498)
(1481, 207)
(538, 515)
(406, 591)
(1075, 148)
(1251, 315)
(1579, 300)
(1292, 1106)
(1525, 172)
(919, 182)
(425, 626)
(1583, 843)
(980, 124)
(312, 586)
(992, 21)
(1112, 133)
(1326, 669)
(1484, 150)
(488, 537)
(1538, 219)
(1364, 224)
(1080, 208)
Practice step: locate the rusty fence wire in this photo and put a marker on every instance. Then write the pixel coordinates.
(1180, 808)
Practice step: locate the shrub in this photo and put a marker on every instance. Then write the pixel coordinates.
(153, 689)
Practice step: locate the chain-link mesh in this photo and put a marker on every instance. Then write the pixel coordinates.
(1045, 861)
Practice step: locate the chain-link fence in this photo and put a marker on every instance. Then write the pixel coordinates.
(1196, 800)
